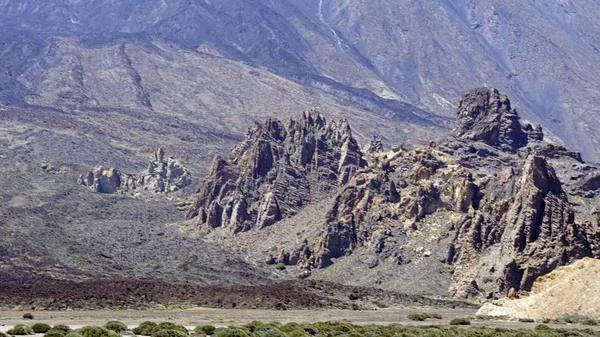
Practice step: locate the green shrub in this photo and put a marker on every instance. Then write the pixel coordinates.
(568, 320)
(73, 334)
(418, 317)
(116, 326)
(27, 315)
(206, 329)
(54, 333)
(2, 334)
(590, 322)
(20, 329)
(460, 321)
(145, 329)
(170, 326)
(280, 266)
(436, 316)
(526, 320)
(273, 332)
(228, 332)
(169, 333)
(96, 331)
(542, 327)
(62, 327)
(40, 327)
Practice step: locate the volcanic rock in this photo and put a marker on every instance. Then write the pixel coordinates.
(275, 171)
(485, 115)
(485, 208)
(163, 175)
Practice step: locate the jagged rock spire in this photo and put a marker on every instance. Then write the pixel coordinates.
(487, 116)
(275, 171)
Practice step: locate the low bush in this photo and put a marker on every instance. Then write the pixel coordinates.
(436, 316)
(20, 329)
(526, 320)
(116, 326)
(40, 327)
(272, 332)
(2, 334)
(96, 331)
(145, 329)
(73, 334)
(169, 333)
(27, 315)
(55, 333)
(418, 317)
(542, 327)
(460, 321)
(229, 332)
(170, 326)
(62, 327)
(206, 329)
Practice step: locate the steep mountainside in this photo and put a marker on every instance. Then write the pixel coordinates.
(481, 212)
(237, 61)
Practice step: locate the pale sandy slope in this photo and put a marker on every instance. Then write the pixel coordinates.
(573, 289)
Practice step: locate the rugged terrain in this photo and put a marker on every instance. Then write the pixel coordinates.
(567, 291)
(489, 209)
(224, 63)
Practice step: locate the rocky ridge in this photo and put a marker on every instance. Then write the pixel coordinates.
(278, 169)
(492, 207)
(163, 175)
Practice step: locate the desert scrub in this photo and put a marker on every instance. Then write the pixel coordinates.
(170, 326)
(2, 334)
(460, 321)
(27, 315)
(526, 320)
(65, 328)
(229, 332)
(145, 329)
(116, 326)
(96, 331)
(206, 329)
(55, 333)
(40, 327)
(73, 334)
(418, 317)
(20, 329)
(590, 322)
(169, 333)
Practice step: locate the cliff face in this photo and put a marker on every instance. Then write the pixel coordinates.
(277, 170)
(486, 205)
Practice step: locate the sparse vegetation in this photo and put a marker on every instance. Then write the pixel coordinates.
(65, 328)
(40, 327)
(28, 315)
(280, 266)
(145, 329)
(96, 331)
(55, 333)
(20, 329)
(590, 322)
(418, 317)
(73, 334)
(169, 333)
(116, 326)
(460, 321)
(231, 332)
(206, 329)
(2, 334)
(526, 320)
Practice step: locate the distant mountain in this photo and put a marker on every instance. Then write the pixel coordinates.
(372, 56)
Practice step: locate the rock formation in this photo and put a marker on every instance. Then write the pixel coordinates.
(162, 176)
(278, 169)
(486, 203)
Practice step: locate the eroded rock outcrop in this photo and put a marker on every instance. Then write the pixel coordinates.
(163, 175)
(508, 220)
(487, 116)
(278, 169)
(485, 209)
